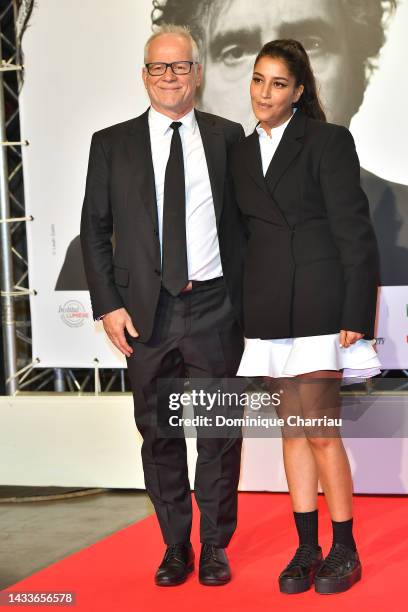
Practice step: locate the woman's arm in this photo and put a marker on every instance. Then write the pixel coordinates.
(349, 219)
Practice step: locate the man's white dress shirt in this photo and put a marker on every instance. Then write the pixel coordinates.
(203, 253)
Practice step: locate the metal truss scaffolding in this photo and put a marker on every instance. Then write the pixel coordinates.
(12, 211)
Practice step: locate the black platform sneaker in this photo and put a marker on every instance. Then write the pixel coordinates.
(339, 571)
(299, 574)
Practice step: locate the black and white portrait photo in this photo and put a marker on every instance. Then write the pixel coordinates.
(343, 39)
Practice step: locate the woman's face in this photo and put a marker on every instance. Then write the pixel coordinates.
(273, 91)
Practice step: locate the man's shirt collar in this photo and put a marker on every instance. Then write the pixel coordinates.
(161, 123)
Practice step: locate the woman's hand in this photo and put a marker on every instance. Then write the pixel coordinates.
(347, 338)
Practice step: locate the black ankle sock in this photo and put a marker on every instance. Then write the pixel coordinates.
(306, 525)
(343, 533)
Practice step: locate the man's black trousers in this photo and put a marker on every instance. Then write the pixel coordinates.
(195, 335)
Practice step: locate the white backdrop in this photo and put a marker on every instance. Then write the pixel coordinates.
(82, 72)
(87, 441)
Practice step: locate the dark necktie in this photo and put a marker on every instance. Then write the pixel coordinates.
(174, 246)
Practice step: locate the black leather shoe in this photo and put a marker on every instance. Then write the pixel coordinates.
(177, 563)
(299, 574)
(214, 566)
(339, 571)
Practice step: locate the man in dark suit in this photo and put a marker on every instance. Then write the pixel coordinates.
(169, 290)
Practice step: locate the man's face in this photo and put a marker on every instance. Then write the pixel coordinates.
(235, 33)
(171, 94)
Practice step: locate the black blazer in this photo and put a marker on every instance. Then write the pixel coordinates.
(120, 201)
(311, 263)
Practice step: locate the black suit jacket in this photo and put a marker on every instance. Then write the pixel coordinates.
(120, 201)
(311, 263)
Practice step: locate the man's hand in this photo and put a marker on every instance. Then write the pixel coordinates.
(347, 338)
(115, 323)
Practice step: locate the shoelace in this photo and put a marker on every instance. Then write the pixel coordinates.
(209, 552)
(174, 551)
(302, 556)
(336, 557)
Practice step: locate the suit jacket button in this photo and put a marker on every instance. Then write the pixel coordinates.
(157, 272)
(156, 233)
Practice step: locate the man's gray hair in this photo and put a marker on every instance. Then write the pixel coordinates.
(179, 30)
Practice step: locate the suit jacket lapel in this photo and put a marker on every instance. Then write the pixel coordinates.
(139, 153)
(215, 154)
(288, 149)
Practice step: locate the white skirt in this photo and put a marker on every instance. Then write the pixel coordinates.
(289, 357)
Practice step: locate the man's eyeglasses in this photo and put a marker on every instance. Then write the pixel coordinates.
(159, 68)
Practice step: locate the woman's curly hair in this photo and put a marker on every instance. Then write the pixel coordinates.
(366, 20)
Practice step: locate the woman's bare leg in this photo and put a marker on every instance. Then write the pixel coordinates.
(299, 462)
(319, 394)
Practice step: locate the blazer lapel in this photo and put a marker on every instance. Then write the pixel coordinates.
(215, 154)
(139, 154)
(254, 159)
(255, 168)
(288, 149)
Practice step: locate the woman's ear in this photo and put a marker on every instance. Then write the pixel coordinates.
(299, 92)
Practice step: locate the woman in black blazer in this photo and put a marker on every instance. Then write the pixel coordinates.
(310, 290)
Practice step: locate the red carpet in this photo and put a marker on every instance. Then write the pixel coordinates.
(116, 574)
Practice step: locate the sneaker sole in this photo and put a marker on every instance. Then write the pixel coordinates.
(181, 581)
(329, 586)
(292, 586)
